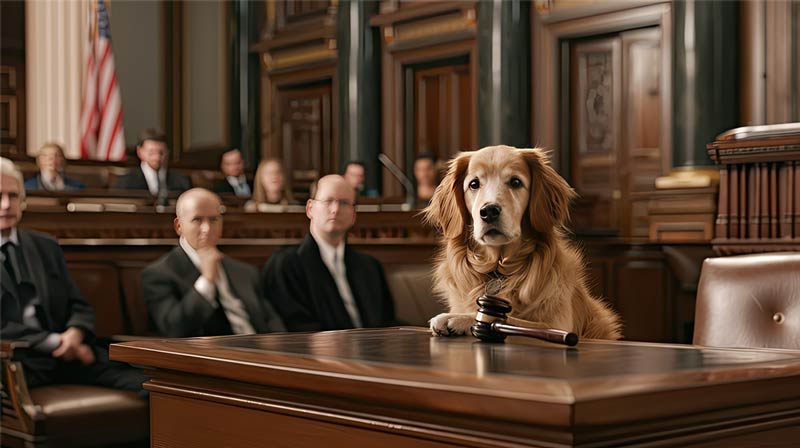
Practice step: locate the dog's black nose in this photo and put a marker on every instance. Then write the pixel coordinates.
(490, 213)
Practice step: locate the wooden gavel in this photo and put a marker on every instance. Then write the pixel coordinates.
(490, 324)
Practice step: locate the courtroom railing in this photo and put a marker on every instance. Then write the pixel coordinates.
(148, 222)
(759, 197)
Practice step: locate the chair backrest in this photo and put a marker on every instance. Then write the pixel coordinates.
(412, 290)
(749, 301)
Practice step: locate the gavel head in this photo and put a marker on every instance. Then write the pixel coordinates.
(490, 309)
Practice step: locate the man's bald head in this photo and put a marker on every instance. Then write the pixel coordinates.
(198, 217)
(190, 198)
(334, 182)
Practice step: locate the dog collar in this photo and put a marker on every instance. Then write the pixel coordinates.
(495, 283)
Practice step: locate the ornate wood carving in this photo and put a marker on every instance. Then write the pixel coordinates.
(759, 197)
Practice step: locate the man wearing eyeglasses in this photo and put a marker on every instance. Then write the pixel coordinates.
(323, 284)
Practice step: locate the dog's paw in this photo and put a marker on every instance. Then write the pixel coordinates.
(449, 324)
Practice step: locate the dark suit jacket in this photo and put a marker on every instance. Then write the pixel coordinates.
(35, 183)
(223, 186)
(135, 180)
(62, 302)
(178, 310)
(302, 289)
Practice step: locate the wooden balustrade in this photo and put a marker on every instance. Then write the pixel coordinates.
(759, 197)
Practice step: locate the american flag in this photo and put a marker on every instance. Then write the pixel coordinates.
(102, 136)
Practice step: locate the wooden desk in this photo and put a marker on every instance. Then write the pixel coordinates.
(400, 387)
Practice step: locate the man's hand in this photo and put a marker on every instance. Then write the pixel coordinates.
(209, 262)
(72, 347)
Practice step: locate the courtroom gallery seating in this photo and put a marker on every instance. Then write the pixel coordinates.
(749, 301)
(95, 416)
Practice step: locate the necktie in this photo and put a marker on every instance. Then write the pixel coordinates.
(8, 263)
(33, 312)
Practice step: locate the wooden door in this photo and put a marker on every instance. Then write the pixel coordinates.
(305, 137)
(442, 110)
(641, 130)
(616, 151)
(595, 70)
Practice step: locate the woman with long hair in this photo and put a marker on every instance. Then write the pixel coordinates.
(270, 184)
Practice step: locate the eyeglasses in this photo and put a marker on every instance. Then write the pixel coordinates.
(343, 203)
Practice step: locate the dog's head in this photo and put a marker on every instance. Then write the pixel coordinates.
(500, 194)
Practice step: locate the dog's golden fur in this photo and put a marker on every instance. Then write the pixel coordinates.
(542, 274)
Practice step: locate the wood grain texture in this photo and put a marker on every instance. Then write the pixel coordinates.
(458, 391)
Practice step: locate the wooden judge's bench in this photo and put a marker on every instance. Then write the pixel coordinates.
(401, 387)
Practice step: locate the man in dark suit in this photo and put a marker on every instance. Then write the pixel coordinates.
(42, 306)
(195, 290)
(323, 284)
(153, 175)
(232, 166)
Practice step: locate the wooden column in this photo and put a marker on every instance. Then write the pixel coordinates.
(504, 64)
(359, 86)
(244, 81)
(705, 93)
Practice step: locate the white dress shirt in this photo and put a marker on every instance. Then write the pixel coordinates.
(153, 177)
(333, 258)
(232, 306)
(239, 185)
(53, 340)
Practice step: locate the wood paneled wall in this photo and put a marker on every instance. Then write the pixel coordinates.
(429, 81)
(299, 118)
(12, 78)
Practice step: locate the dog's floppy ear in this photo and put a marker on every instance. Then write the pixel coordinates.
(550, 194)
(447, 209)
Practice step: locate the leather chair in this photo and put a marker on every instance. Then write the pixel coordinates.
(66, 415)
(72, 415)
(412, 290)
(749, 301)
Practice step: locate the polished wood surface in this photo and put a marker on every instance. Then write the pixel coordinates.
(356, 384)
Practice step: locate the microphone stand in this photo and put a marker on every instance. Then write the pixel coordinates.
(400, 176)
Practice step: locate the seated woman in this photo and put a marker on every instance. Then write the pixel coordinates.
(51, 162)
(270, 186)
(426, 176)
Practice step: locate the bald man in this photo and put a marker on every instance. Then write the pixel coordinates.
(195, 290)
(323, 284)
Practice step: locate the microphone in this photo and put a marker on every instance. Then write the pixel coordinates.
(490, 324)
(399, 175)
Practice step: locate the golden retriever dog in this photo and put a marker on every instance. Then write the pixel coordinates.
(502, 212)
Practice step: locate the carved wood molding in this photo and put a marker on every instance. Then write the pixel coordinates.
(759, 198)
(299, 40)
(551, 28)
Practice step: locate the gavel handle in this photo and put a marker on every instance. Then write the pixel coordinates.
(547, 334)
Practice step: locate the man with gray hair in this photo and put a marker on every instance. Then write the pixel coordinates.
(195, 290)
(41, 305)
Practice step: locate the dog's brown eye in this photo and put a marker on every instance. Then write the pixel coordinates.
(515, 182)
(474, 184)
